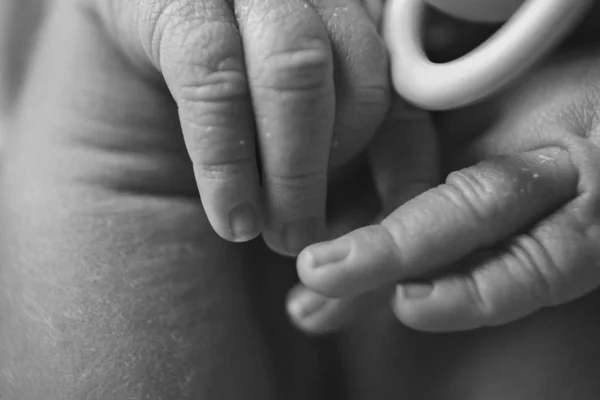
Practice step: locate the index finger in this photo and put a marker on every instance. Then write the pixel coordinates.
(475, 209)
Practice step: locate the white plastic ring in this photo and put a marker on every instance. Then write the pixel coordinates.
(533, 30)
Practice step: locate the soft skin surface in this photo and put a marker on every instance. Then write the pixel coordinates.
(113, 285)
(551, 354)
(554, 259)
(513, 229)
(269, 93)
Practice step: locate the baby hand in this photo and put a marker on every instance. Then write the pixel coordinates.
(515, 228)
(276, 85)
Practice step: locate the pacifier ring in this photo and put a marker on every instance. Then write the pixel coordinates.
(533, 30)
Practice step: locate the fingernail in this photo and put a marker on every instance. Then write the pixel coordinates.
(325, 253)
(299, 234)
(417, 290)
(305, 304)
(242, 222)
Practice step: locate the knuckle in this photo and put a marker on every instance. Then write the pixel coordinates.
(217, 77)
(222, 169)
(220, 86)
(308, 69)
(486, 181)
(467, 189)
(212, 75)
(533, 266)
(201, 57)
(377, 236)
(486, 310)
(164, 25)
(469, 185)
(556, 262)
(298, 180)
(304, 190)
(480, 191)
(218, 148)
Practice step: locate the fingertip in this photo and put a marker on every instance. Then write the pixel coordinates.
(316, 314)
(274, 242)
(354, 264)
(302, 303)
(231, 198)
(239, 224)
(244, 223)
(322, 266)
(290, 239)
(305, 263)
(415, 312)
(435, 307)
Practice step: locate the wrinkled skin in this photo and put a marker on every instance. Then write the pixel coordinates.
(113, 284)
(550, 354)
(270, 94)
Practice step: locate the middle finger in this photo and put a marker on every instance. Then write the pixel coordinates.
(290, 70)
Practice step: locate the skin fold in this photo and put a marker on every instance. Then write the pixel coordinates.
(113, 283)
